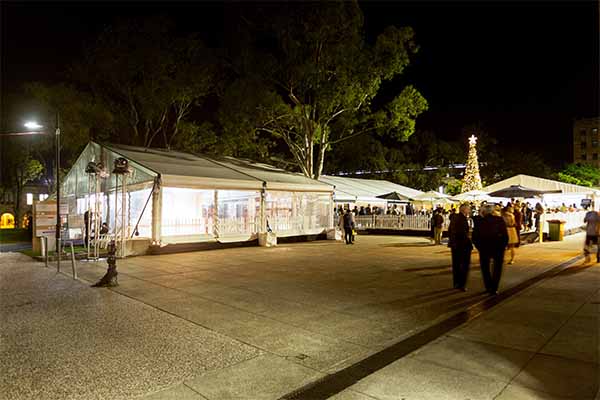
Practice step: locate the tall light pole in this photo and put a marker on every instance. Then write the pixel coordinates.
(58, 221)
(33, 127)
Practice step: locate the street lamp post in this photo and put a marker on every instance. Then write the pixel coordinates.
(58, 221)
(34, 130)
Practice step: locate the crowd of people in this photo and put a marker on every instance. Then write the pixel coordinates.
(493, 229)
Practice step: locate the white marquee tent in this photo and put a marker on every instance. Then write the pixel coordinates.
(570, 194)
(177, 197)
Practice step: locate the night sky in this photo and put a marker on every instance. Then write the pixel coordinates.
(524, 70)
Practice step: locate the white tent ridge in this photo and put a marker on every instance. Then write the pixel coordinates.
(534, 182)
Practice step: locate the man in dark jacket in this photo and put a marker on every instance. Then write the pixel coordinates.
(437, 224)
(490, 237)
(460, 246)
(349, 227)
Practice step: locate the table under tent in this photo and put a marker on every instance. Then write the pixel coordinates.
(167, 198)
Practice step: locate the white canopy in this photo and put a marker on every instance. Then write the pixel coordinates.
(355, 189)
(179, 169)
(541, 184)
(472, 195)
(432, 195)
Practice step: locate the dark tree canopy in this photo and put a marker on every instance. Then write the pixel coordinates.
(310, 80)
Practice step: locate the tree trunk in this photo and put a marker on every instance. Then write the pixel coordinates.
(321, 160)
(18, 206)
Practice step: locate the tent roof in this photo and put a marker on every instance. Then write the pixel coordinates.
(183, 169)
(352, 189)
(541, 184)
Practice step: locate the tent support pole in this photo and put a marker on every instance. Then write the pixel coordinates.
(156, 211)
(263, 209)
(216, 215)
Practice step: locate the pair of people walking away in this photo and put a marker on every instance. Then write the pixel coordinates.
(347, 223)
(490, 237)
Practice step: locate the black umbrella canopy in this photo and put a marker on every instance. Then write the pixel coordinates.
(520, 191)
(394, 196)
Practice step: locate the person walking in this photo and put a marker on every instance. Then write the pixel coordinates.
(539, 210)
(490, 237)
(460, 246)
(349, 227)
(341, 223)
(437, 224)
(511, 230)
(518, 220)
(592, 220)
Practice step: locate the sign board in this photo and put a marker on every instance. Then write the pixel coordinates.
(50, 207)
(45, 217)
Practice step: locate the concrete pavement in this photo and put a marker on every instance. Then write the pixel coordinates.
(281, 317)
(540, 344)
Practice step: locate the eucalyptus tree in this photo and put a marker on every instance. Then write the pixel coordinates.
(306, 75)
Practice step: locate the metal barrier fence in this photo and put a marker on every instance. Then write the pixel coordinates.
(572, 220)
(396, 222)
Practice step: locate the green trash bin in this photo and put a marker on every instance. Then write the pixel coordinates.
(556, 230)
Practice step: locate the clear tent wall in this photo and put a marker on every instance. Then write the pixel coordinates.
(128, 211)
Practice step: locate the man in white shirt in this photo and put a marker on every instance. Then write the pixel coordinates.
(592, 219)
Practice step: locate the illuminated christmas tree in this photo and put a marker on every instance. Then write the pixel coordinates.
(472, 180)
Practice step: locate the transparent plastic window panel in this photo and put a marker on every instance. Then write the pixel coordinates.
(76, 181)
(238, 212)
(297, 212)
(187, 212)
(137, 200)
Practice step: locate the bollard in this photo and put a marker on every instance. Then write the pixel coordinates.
(45, 249)
(73, 261)
(58, 256)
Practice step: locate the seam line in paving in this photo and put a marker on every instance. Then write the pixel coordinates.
(343, 379)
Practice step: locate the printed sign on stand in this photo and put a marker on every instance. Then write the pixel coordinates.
(45, 217)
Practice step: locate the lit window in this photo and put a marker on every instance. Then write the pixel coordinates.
(29, 199)
(43, 197)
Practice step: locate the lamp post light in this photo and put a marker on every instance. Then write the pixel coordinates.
(58, 221)
(34, 129)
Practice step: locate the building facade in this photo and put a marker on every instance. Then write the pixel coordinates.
(10, 216)
(586, 141)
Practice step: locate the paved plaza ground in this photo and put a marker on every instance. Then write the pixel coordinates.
(260, 323)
